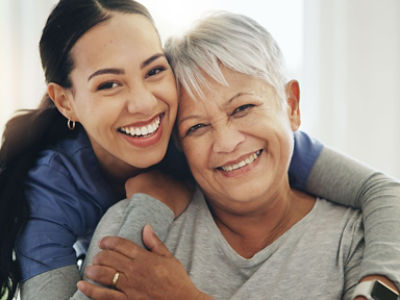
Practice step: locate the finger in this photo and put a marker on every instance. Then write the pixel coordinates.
(105, 276)
(112, 259)
(152, 242)
(121, 245)
(99, 293)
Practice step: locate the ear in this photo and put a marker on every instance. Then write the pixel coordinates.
(293, 101)
(62, 99)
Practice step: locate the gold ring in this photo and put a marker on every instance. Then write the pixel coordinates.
(115, 278)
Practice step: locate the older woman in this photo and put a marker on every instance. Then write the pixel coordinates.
(246, 232)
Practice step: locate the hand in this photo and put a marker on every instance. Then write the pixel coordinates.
(175, 194)
(154, 274)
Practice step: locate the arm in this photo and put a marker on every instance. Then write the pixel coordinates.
(161, 275)
(54, 284)
(346, 181)
(127, 219)
(45, 250)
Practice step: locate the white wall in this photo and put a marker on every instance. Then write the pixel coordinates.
(352, 78)
(346, 54)
(21, 79)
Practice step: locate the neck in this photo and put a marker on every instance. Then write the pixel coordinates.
(250, 232)
(115, 170)
(117, 180)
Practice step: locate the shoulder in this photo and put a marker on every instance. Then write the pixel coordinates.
(66, 184)
(342, 222)
(336, 217)
(74, 151)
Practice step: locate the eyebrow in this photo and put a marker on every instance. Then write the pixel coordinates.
(237, 96)
(225, 105)
(121, 71)
(188, 118)
(151, 59)
(106, 71)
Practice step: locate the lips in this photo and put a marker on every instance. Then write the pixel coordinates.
(242, 163)
(144, 134)
(143, 130)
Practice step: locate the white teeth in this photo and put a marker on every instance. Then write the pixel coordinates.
(242, 163)
(143, 130)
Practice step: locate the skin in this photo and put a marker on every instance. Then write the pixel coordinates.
(121, 79)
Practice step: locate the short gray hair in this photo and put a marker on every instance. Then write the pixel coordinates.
(236, 41)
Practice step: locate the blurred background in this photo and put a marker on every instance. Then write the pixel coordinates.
(345, 53)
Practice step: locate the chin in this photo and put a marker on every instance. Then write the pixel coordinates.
(147, 160)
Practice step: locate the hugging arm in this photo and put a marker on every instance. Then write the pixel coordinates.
(127, 219)
(341, 179)
(45, 248)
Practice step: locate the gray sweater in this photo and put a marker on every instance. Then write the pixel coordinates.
(333, 176)
(317, 258)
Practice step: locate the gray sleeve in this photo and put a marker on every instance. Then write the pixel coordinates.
(127, 219)
(348, 182)
(55, 284)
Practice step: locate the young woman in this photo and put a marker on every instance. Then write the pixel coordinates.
(109, 113)
(108, 116)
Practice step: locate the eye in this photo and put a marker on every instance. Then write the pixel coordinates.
(108, 85)
(195, 128)
(155, 71)
(241, 110)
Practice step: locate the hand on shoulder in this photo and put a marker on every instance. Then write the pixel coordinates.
(172, 192)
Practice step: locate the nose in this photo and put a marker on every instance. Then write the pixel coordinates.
(227, 138)
(141, 101)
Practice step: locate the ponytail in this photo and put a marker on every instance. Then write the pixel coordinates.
(25, 135)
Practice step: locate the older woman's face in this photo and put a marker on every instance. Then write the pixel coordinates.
(238, 141)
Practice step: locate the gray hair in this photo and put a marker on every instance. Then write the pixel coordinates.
(236, 41)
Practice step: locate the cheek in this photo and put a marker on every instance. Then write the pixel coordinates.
(167, 91)
(97, 113)
(196, 157)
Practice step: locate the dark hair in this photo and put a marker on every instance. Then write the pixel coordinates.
(31, 131)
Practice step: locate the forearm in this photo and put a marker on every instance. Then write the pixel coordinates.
(381, 215)
(346, 181)
(127, 219)
(141, 210)
(55, 284)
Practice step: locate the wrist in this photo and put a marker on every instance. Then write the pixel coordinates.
(374, 290)
(382, 279)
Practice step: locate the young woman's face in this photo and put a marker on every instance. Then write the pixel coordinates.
(238, 141)
(123, 92)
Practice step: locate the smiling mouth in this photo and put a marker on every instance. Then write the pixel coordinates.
(251, 158)
(142, 131)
